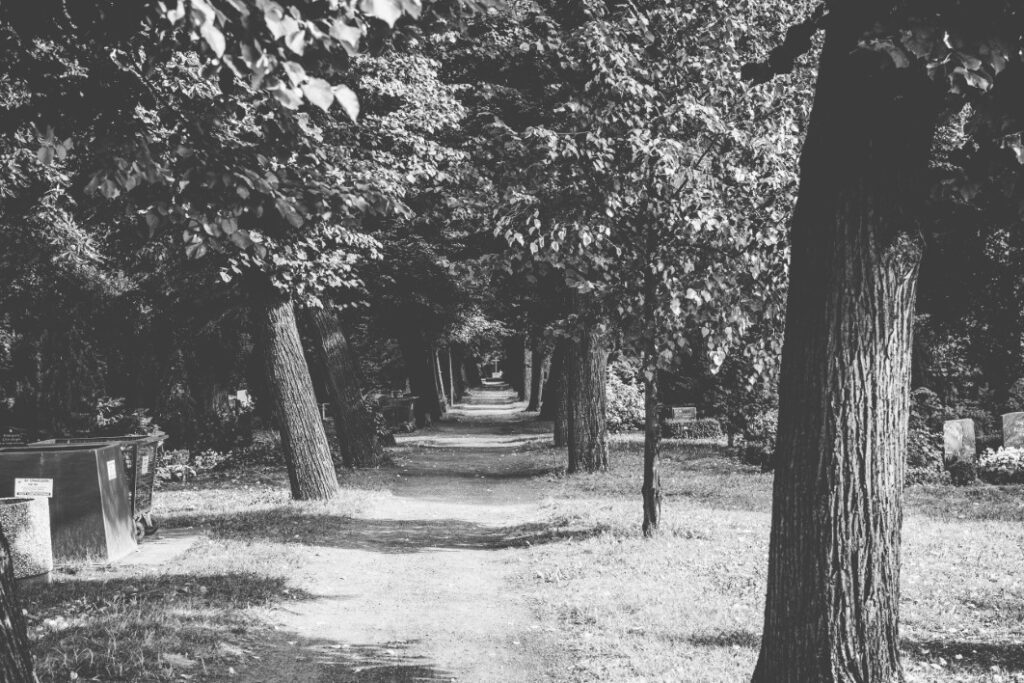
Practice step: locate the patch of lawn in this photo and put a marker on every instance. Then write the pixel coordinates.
(688, 606)
(197, 618)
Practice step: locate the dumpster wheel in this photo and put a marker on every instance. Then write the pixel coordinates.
(149, 524)
(140, 531)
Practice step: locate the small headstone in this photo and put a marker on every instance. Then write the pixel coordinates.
(958, 440)
(26, 524)
(684, 412)
(1013, 430)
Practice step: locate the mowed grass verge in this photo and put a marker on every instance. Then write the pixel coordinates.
(688, 606)
(201, 616)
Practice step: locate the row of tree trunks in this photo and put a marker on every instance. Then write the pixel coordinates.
(421, 367)
(586, 371)
(831, 613)
(303, 440)
(15, 655)
(354, 423)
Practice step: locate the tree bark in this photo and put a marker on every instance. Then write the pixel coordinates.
(357, 433)
(551, 392)
(439, 378)
(586, 375)
(536, 380)
(15, 655)
(451, 377)
(651, 490)
(832, 607)
(527, 392)
(306, 451)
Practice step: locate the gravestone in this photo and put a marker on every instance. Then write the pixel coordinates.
(26, 524)
(1013, 430)
(958, 441)
(13, 436)
(684, 413)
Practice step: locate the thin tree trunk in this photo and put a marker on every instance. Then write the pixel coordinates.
(586, 374)
(536, 380)
(651, 490)
(451, 377)
(527, 393)
(551, 393)
(15, 655)
(357, 434)
(439, 378)
(832, 607)
(306, 451)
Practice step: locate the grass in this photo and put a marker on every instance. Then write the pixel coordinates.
(688, 606)
(197, 618)
(611, 606)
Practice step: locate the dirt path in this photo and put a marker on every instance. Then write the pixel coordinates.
(418, 586)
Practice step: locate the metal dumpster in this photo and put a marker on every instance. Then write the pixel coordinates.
(142, 454)
(87, 490)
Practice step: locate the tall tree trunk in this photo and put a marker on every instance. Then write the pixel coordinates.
(15, 655)
(586, 374)
(527, 393)
(451, 377)
(651, 490)
(551, 393)
(306, 451)
(357, 433)
(420, 366)
(832, 606)
(439, 378)
(536, 380)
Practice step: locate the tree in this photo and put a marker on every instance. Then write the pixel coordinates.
(832, 604)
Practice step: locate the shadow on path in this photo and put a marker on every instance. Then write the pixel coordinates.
(288, 525)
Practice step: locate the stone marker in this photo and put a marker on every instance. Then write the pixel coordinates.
(958, 441)
(1013, 430)
(26, 524)
(684, 413)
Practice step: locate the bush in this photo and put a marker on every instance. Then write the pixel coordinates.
(763, 428)
(962, 473)
(926, 410)
(1002, 466)
(625, 404)
(703, 428)
(110, 417)
(924, 448)
(926, 475)
(225, 430)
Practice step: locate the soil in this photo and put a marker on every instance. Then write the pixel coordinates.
(419, 586)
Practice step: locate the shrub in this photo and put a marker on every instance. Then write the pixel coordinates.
(1015, 398)
(625, 404)
(1002, 466)
(926, 475)
(924, 448)
(703, 428)
(763, 428)
(925, 410)
(225, 430)
(962, 473)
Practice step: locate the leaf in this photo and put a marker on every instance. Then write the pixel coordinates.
(319, 92)
(296, 74)
(296, 42)
(412, 7)
(291, 98)
(346, 34)
(348, 100)
(214, 38)
(45, 154)
(388, 11)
